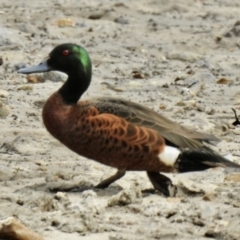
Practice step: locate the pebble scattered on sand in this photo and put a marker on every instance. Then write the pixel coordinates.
(5, 110)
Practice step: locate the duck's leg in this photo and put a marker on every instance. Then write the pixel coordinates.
(105, 183)
(162, 183)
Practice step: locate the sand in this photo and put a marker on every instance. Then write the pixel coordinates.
(180, 58)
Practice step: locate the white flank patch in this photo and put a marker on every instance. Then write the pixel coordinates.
(169, 155)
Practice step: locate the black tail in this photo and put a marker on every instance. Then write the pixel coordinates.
(202, 159)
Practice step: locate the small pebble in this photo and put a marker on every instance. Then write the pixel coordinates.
(4, 110)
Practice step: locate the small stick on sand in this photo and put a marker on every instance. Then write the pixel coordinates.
(237, 122)
(12, 229)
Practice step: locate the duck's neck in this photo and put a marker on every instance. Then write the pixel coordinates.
(76, 84)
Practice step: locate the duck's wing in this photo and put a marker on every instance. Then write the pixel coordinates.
(140, 115)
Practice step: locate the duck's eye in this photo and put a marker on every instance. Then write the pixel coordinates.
(65, 52)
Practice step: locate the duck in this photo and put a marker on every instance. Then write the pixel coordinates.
(118, 133)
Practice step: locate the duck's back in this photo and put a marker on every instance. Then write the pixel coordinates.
(174, 133)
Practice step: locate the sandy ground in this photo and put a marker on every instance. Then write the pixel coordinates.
(180, 58)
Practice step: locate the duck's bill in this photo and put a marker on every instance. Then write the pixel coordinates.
(42, 67)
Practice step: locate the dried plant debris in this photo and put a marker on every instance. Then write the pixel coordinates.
(139, 75)
(236, 122)
(25, 88)
(13, 229)
(187, 91)
(65, 22)
(35, 78)
(224, 81)
(97, 14)
(192, 84)
(112, 87)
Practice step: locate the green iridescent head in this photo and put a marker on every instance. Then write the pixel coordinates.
(68, 58)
